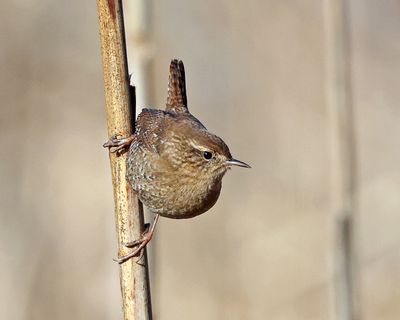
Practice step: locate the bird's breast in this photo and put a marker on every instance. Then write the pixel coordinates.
(170, 192)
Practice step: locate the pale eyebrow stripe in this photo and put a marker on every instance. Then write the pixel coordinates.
(196, 146)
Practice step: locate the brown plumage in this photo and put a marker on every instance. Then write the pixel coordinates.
(174, 164)
(166, 164)
(176, 100)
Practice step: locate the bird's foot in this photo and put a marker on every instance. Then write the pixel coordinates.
(139, 244)
(117, 144)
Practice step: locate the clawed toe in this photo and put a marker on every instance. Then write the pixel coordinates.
(145, 237)
(140, 244)
(112, 142)
(120, 260)
(117, 144)
(133, 243)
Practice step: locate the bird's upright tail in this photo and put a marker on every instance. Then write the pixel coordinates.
(177, 100)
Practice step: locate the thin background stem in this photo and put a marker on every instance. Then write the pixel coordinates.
(344, 189)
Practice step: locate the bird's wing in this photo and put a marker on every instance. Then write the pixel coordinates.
(150, 128)
(177, 100)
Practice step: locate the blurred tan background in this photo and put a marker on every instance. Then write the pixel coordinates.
(256, 76)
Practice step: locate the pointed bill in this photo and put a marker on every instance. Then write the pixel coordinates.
(234, 162)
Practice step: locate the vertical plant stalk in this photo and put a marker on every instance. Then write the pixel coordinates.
(343, 158)
(120, 110)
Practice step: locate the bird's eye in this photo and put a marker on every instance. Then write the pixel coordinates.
(207, 155)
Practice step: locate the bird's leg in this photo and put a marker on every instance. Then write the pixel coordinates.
(117, 143)
(141, 243)
(137, 242)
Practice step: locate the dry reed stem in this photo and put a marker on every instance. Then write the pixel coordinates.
(120, 114)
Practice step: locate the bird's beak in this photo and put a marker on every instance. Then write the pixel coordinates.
(234, 162)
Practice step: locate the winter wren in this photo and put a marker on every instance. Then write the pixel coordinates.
(174, 164)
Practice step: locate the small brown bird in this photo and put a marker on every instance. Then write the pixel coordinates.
(174, 164)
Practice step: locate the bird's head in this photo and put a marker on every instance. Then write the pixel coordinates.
(200, 153)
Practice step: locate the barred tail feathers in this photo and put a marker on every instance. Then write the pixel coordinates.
(177, 100)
